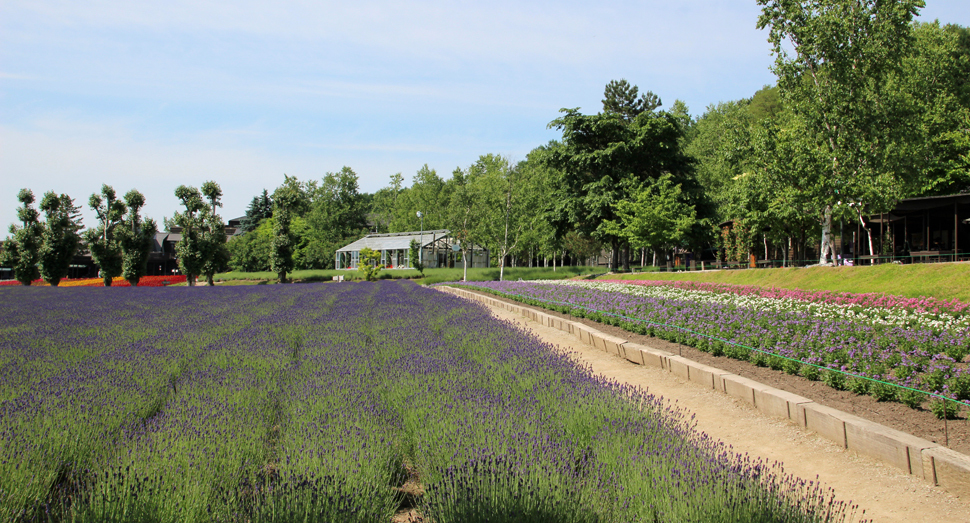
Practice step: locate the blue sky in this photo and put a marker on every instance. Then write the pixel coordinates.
(151, 95)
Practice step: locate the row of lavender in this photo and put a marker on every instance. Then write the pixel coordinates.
(858, 345)
(313, 402)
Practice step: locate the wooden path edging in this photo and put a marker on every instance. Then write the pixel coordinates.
(922, 458)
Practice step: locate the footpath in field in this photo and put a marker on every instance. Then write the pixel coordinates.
(886, 494)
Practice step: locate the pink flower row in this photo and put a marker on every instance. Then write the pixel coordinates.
(886, 301)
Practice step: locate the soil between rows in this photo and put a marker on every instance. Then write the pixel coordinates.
(921, 423)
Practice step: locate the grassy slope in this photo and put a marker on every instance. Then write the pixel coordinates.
(430, 275)
(937, 280)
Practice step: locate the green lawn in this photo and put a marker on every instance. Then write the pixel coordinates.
(430, 275)
(936, 280)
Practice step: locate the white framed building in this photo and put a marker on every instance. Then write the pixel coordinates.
(439, 249)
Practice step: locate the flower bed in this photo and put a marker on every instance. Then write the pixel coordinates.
(145, 281)
(954, 308)
(880, 347)
(312, 402)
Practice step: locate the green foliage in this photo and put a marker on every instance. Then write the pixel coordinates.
(103, 241)
(259, 209)
(369, 264)
(337, 217)
(61, 238)
(931, 88)
(835, 83)
(190, 249)
(620, 98)
(21, 252)
(136, 238)
(766, 103)
(415, 255)
(656, 217)
(604, 158)
(213, 237)
(944, 409)
(428, 193)
(285, 199)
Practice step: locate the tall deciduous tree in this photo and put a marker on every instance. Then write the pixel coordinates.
(103, 240)
(61, 238)
(603, 159)
(338, 216)
(20, 252)
(656, 217)
(285, 199)
(136, 237)
(834, 79)
(463, 215)
(190, 249)
(213, 233)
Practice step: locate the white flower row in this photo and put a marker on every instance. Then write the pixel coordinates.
(876, 315)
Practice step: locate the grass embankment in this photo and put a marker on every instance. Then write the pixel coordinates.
(945, 281)
(430, 275)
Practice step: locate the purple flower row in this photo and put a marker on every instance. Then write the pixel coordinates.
(914, 358)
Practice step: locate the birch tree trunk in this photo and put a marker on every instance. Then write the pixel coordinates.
(826, 234)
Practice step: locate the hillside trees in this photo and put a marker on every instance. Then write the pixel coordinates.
(61, 236)
(103, 242)
(20, 252)
(843, 51)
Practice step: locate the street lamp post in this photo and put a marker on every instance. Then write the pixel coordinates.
(421, 246)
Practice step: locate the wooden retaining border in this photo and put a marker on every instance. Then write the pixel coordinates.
(930, 461)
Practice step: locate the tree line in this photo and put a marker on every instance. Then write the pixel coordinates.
(870, 108)
(122, 240)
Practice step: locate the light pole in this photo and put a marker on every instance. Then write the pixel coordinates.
(421, 246)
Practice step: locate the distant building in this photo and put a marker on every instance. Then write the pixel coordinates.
(438, 249)
(163, 260)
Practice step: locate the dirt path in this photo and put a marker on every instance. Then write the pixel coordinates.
(884, 492)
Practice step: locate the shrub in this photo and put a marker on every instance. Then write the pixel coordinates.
(941, 408)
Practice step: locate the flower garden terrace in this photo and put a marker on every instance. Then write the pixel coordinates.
(902, 350)
(314, 402)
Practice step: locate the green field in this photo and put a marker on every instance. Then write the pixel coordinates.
(945, 281)
(430, 275)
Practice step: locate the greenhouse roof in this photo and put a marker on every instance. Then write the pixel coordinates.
(395, 240)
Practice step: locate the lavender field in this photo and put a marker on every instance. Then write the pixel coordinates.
(316, 402)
